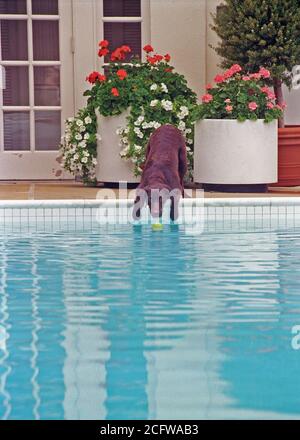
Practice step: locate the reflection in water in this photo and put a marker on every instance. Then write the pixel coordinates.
(127, 323)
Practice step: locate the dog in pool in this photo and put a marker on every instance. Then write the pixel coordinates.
(163, 173)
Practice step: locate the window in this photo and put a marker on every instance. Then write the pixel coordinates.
(30, 104)
(126, 22)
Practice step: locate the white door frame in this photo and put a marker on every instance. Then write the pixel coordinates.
(41, 165)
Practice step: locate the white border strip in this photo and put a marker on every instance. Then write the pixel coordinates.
(208, 202)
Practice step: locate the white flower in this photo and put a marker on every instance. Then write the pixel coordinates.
(139, 120)
(82, 144)
(71, 119)
(84, 159)
(154, 103)
(124, 140)
(76, 156)
(188, 149)
(94, 161)
(167, 105)
(79, 122)
(124, 152)
(119, 131)
(190, 141)
(137, 130)
(98, 137)
(188, 131)
(138, 148)
(184, 111)
(145, 125)
(86, 136)
(181, 125)
(86, 153)
(164, 88)
(154, 87)
(156, 125)
(78, 137)
(82, 129)
(88, 120)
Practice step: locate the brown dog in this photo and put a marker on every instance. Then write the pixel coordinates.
(163, 173)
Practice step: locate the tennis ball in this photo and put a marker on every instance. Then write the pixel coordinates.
(157, 227)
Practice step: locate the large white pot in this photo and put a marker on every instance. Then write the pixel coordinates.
(228, 152)
(111, 167)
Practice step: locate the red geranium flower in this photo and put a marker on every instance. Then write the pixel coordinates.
(158, 57)
(151, 60)
(219, 79)
(103, 52)
(125, 49)
(148, 48)
(104, 43)
(167, 57)
(115, 91)
(117, 55)
(94, 76)
(122, 74)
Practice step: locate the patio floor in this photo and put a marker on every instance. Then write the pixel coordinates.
(75, 190)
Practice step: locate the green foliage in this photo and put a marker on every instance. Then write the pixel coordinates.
(257, 33)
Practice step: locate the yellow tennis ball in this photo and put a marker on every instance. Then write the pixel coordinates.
(157, 227)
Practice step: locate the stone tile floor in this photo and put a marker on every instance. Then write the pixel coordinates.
(43, 190)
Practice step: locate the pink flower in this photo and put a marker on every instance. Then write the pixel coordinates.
(232, 71)
(209, 87)
(270, 105)
(228, 101)
(252, 106)
(264, 73)
(268, 92)
(229, 108)
(246, 78)
(281, 107)
(207, 98)
(256, 76)
(219, 79)
(236, 68)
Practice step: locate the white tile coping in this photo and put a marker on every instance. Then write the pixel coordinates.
(208, 202)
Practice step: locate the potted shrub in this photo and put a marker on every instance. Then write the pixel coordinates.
(129, 102)
(258, 33)
(236, 133)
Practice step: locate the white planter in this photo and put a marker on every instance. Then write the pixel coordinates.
(228, 152)
(111, 167)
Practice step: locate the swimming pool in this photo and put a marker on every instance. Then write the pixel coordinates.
(119, 322)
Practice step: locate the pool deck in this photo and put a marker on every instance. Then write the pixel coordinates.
(29, 190)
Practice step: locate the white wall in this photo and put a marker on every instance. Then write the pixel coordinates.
(179, 27)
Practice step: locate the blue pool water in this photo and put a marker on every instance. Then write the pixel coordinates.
(124, 323)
